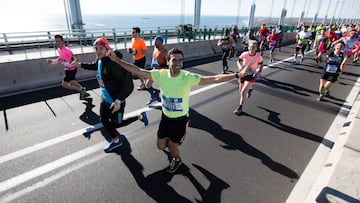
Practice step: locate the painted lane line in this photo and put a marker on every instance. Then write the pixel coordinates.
(17, 180)
(47, 143)
(316, 175)
(57, 140)
(27, 176)
(49, 180)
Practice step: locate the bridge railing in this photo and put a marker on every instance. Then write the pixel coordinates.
(30, 45)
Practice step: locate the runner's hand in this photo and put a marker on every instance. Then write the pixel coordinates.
(115, 107)
(111, 54)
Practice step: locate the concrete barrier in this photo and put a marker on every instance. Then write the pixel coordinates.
(32, 74)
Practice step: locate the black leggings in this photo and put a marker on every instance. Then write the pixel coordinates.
(111, 121)
(225, 54)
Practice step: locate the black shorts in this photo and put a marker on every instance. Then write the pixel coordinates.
(248, 78)
(302, 48)
(332, 77)
(70, 75)
(173, 128)
(140, 63)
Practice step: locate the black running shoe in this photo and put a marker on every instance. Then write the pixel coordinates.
(238, 111)
(174, 165)
(249, 92)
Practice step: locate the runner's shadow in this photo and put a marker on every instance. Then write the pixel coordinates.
(275, 121)
(286, 86)
(234, 141)
(89, 117)
(213, 192)
(156, 185)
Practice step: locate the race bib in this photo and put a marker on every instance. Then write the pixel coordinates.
(331, 68)
(172, 104)
(68, 65)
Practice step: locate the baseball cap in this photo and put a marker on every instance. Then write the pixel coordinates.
(102, 41)
(160, 38)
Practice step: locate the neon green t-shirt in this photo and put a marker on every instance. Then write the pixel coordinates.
(319, 28)
(175, 91)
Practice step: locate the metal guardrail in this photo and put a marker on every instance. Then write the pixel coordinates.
(43, 41)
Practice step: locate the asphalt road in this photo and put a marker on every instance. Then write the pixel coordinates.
(51, 143)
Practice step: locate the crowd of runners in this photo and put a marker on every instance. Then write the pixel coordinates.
(333, 46)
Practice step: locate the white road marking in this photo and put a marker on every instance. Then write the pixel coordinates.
(316, 174)
(47, 181)
(27, 176)
(17, 180)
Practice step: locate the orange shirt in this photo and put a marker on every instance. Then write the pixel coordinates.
(332, 36)
(138, 45)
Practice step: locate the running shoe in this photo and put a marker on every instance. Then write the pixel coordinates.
(112, 145)
(225, 69)
(141, 87)
(157, 95)
(151, 101)
(249, 92)
(320, 98)
(301, 58)
(238, 111)
(174, 165)
(327, 94)
(144, 118)
(83, 93)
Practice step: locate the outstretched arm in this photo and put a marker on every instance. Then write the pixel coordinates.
(205, 80)
(128, 66)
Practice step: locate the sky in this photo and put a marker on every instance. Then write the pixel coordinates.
(208, 7)
(11, 13)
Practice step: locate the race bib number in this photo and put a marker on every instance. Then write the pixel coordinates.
(172, 104)
(331, 68)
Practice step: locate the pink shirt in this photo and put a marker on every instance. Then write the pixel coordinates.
(246, 60)
(66, 57)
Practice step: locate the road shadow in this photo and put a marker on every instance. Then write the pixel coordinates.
(286, 86)
(275, 121)
(234, 141)
(89, 116)
(328, 195)
(156, 185)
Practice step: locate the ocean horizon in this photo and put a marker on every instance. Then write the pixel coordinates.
(121, 22)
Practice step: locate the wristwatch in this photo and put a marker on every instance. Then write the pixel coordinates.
(118, 101)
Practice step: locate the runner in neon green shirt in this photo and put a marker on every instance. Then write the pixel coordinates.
(175, 92)
(175, 85)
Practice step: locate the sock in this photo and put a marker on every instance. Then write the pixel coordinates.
(118, 140)
(322, 91)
